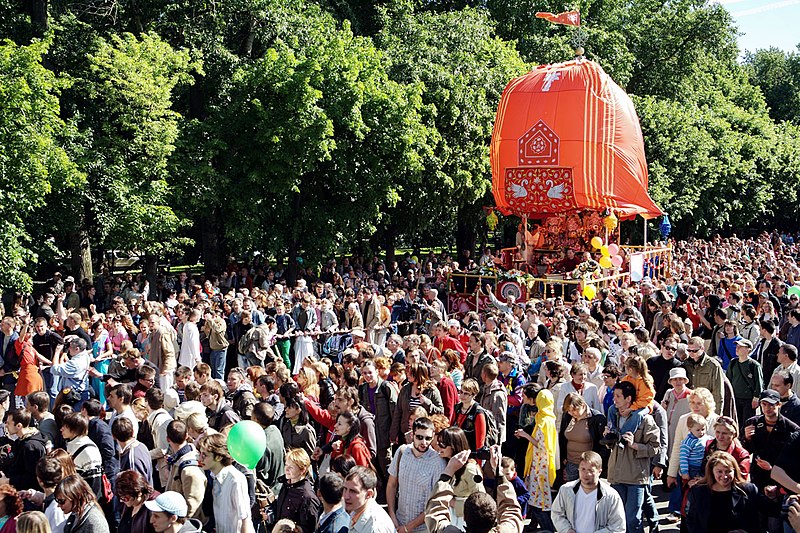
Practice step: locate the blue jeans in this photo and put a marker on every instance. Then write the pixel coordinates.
(650, 511)
(675, 498)
(633, 499)
(52, 384)
(218, 363)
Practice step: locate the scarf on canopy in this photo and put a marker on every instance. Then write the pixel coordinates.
(546, 421)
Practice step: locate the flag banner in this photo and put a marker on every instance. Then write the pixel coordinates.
(570, 18)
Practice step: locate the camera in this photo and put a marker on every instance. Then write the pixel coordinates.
(785, 509)
(611, 439)
(481, 454)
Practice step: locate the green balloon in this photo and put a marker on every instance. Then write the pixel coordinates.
(794, 289)
(247, 442)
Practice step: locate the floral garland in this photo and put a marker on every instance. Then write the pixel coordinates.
(586, 270)
(523, 278)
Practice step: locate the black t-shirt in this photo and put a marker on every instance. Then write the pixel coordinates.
(789, 458)
(46, 344)
(80, 332)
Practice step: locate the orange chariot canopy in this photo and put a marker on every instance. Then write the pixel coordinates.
(567, 138)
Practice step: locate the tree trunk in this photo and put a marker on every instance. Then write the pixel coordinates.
(246, 48)
(294, 244)
(81, 248)
(390, 242)
(37, 9)
(213, 246)
(151, 274)
(466, 233)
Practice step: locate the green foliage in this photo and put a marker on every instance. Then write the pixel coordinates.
(777, 74)
(315, 138)
(128, 131)
(32, 162)
(462, 69)
(325, 126)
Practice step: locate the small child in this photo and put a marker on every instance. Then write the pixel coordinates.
(509, 469)
(527, 411)
(693, 447)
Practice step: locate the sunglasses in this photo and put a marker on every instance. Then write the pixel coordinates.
(693, 351)
(423, 438)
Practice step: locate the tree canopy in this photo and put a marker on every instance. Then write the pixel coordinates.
(301, 129)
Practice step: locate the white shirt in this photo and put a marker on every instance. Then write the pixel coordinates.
(190, 346)
(231, 500)
(56, 517)
(794, 370)
(130, 415)
(585, 509)
(373, 520)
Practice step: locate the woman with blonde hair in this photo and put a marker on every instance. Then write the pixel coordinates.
(726, 433)
(553, 351)
(701, 402)
(297, 500)
(308, 382)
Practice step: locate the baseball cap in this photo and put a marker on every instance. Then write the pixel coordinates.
(453, 323)
(358, 332)
(763, 294)
(744, 342)
(169, 502)
(508, 357)
(770, 396)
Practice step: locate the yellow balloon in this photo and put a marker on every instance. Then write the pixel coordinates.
(604, 250)
(597, 242)
(590, 291)
(605, 262)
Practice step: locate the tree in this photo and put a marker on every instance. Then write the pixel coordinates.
(121, 103)
(463, 70)
(32, 163)
(314, 137)
(777, 74)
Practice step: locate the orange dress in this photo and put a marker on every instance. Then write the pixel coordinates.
(29, 380)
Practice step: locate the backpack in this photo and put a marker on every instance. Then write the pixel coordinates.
(257, 342)
(106, 493)
(492, 433)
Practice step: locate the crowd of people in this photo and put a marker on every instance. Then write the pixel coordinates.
(383, 413)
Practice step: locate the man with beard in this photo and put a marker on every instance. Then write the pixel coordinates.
(412, 475)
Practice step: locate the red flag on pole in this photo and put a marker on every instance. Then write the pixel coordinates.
(570, 18)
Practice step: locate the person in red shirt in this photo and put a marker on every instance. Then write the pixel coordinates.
(469, 416)
(447, 389)
(456, 330)
(442, 341)
(351, 443)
